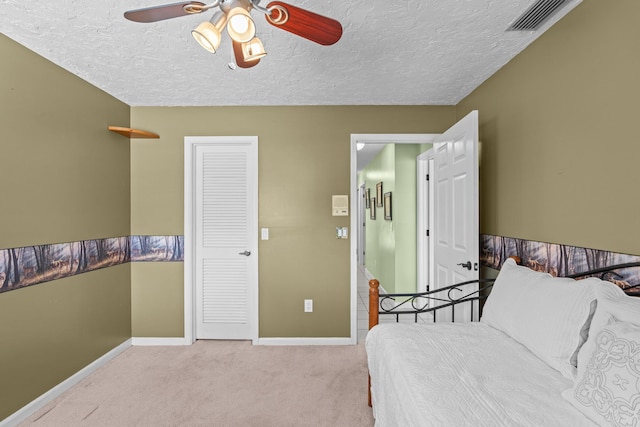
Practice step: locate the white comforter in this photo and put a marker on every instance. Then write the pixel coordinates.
(462, 374)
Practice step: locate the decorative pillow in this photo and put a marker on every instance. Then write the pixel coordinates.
(544, 313)
(607, 387)
(612, 305)
(613, 302)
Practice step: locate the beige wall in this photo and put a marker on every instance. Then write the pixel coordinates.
(50, 331)
(303, 160)
(58, 154)
(65, 178)
(559, 147)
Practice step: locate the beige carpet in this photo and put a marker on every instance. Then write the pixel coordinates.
(219, 383)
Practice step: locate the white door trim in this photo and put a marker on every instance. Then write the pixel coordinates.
(190, 143)
(370, 138)
(189, 224)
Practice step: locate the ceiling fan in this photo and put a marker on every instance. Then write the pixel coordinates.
(235, 15)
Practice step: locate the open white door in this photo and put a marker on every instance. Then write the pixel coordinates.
(455, 212)
(224, 236)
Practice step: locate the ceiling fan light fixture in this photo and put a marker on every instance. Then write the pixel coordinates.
(208, 34)
(253, 49)
(240, 26)
(235, 15)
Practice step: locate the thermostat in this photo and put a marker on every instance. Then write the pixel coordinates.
(340, 205)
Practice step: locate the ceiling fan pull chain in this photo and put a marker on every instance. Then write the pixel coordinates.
(279, 18)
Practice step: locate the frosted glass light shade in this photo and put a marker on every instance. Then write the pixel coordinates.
(240, 26)
(253, 50)
(208, 34)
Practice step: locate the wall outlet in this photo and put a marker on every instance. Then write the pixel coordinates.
(308, 306)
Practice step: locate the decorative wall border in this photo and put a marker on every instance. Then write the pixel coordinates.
(556, 259)
(32, 265)
(157, 248)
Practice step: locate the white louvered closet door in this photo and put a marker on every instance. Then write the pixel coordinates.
(226, 239)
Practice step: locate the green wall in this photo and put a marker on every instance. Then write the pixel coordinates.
(66, 178)
(390, 252)
(380, 241)
(405, 218)
(304, 155)
(559, 145)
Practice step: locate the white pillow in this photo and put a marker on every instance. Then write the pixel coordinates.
(544, 313)
(607, 387)
(612, 305)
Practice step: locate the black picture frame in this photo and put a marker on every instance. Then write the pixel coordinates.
(372, 211)
(387, 206)
(379, 194)
(367, 198)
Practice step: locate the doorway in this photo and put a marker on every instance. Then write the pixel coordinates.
(379, 139)
(449, 206)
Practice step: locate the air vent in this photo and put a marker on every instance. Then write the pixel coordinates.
(536, 15)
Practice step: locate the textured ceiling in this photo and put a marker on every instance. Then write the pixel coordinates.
(411, 52)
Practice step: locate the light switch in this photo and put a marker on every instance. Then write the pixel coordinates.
(264, 234)
(342, 232)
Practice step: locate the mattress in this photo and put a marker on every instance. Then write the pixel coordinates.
(462, 374)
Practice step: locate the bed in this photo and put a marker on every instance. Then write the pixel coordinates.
(547, 351)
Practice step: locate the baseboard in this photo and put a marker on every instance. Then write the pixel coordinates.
(152, 341)
(33, 406)
(305, 341)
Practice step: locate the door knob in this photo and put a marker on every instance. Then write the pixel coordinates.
(245, 253)
(466, 265)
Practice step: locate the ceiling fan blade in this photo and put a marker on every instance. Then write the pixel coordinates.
(303, 23)
(160, 13)
(237, 52)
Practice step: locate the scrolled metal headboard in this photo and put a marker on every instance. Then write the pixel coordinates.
(450, 296)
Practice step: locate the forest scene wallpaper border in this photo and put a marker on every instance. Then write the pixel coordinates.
(32, 265)
(558, 260)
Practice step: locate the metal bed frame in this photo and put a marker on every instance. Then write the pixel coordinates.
(431, 301)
